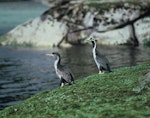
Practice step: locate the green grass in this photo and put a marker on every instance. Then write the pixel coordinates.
(109, 95)
(117, 4)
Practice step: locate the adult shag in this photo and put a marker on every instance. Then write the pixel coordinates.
(100, 60)
(63, 72)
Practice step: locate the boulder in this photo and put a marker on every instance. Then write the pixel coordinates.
(122, 35)
(111, 23)
(37, 32)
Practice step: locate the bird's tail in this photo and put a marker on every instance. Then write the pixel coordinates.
(69, 83)
(108, 68)
(72, 82)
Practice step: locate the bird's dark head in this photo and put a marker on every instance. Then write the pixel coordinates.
(91, 39)
(93, 43)
(56, 54)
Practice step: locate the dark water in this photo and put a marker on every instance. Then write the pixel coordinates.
(27, 71)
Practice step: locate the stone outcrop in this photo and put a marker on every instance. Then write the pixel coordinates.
(110, 22)
(37, 33)
(116, 21)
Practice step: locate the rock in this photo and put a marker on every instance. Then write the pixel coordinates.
(109, 22)
(143, 84)
(37, 32)
(122, 35)
(113, 37)
(143, 29)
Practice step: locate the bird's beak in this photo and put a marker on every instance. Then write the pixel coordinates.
(88, 39)
(49, 54)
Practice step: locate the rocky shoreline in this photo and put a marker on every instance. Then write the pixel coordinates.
(70, 21)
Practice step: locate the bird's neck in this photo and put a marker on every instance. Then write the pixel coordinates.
(94, 45)
(94, 49)
(57, 62)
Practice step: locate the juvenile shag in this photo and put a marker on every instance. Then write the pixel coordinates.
(100, 60)
(63, 72)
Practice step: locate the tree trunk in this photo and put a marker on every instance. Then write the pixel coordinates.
(133, 38)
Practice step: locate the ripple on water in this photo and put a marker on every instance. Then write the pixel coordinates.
(24, 72)
(19, 80)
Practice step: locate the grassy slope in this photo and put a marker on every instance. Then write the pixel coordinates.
(108, 95)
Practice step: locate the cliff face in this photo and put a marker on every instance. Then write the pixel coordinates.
(115, 22)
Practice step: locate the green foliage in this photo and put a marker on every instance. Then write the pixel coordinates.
(24, 44)
(1, 39)
(15, 43)
(109, 95)
(108, 5)
(105, 6)
(146, 41)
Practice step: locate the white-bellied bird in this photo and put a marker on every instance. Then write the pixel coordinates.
(100, 60)
(63, 72)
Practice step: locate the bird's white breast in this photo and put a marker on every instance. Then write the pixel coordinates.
(56, 69)
(94, 56)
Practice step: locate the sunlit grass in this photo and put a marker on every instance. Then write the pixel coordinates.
(109, 95)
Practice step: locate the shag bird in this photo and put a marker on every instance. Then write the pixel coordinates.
(63, 72)
(100, 60)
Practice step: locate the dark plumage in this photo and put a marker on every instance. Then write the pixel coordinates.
(100, 60)
(63, 72)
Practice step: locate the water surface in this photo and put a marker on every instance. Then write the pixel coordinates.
(15, 13)
(27, 71)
